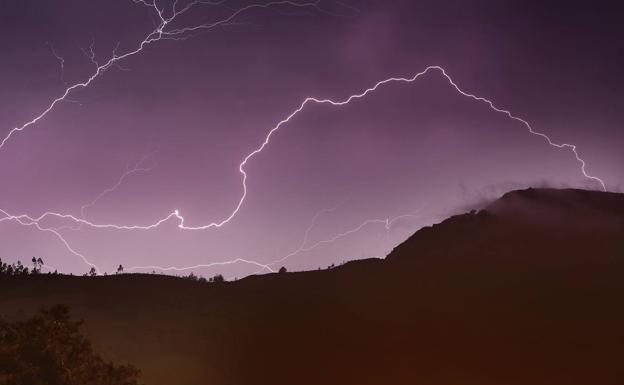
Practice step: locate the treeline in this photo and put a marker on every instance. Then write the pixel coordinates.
(199, 278)
(18, 269)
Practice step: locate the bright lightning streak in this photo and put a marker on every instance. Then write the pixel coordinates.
(241, 260)
(361, 95)
(310, 100)
(159, 33)
(207, 265)
(388, 223)
(26, 221)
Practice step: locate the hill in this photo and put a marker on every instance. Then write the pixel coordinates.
(528, 290)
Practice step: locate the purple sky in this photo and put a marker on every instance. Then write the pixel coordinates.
(191, 110)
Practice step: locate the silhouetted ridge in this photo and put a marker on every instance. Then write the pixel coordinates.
(522, 220)
(528, 290)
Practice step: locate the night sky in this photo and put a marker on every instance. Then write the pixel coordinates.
(166, 129)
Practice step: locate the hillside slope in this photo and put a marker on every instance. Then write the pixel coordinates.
(527, 291)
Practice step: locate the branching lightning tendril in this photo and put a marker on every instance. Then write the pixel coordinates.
(138, 167)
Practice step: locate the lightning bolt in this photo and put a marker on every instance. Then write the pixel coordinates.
(387, 222)
(161, 32)
(336, 103)
(262, 266)
(24, 220)
(206, 265)
(310, 100)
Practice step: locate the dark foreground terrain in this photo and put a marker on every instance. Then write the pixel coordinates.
(528, 291)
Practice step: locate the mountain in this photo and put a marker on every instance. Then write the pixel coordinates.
(528, 290)
(560, 226)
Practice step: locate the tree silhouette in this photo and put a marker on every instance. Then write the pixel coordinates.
(92, 272)
(36, 266)
(120, 269)
(16, 268)
(282, 270)
(49, 349)
(21, 269)
(217, 278)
